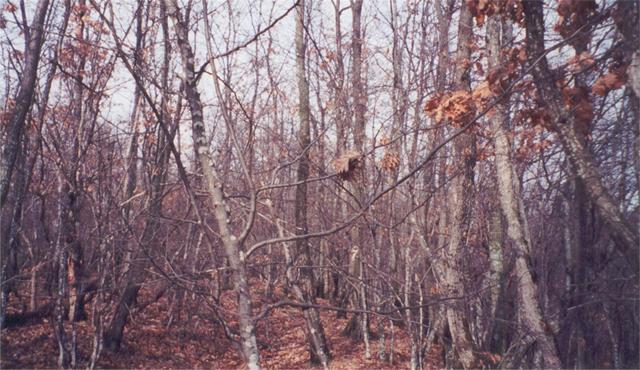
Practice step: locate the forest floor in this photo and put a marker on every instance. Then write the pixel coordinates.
(200, 343)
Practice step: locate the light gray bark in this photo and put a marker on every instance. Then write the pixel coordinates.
(61, 259)
(213, 184)
(355, 328)
(437, 313)
(461, 200)
(509, 191)
(358, 94)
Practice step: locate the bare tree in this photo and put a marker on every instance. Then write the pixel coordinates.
(214, 186)
(34, 38)
(624, 235)
(315, 332)
(509, 190)
(461, 195)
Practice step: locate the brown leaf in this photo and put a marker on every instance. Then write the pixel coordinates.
(432, 104)
(607, 82)
(480, 19)
(456, 107)
(347, 163)
(8, 7)
(479, 68)
(522, 55)
(580, 62)
(390, 161)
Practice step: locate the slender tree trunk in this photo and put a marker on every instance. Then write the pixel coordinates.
(61, 259)
(496, 268)
(509, 191)
(623, 234)
(340, 94)
(355, 328)
(9, 232)
(76, 311)
(213, 185)
(580, 209)
(318, 349)
(310, 316)
(359, 98)
(18, 116)
(437, 313)
(15, 128)
(461, 198)
(134, 273)
(408, 271)
(628, 16)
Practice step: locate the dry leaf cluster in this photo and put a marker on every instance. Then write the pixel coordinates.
(347, 164)
(572, 14)
(390, 161)
(580, 62)
(608, 82)
(481, 9)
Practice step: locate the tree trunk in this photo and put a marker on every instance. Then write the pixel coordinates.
(15, 127)
(318, 349)
(437, 313)
(134, 273)
(359, 98)
(509, 191)
(623, 234)
(26, 91)
(213, 185)
(461, 198)
(61, 255)
(354, 328)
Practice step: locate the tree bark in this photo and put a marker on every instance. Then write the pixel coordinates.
(355, 329)
(15, 127)
(35, 39)
(461, 198)
(318, 349)
(359, 98)
(213, 185)
(134, 273)
(509, 191)
(61, 256)
(624, 235)
(437, 313)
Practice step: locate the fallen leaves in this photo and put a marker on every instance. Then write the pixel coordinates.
(194, 342)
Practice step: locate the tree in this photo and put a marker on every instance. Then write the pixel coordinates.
(214, 187)
(34, 38)
(509, 190)
(461, 192)
(315, 332)
(442, 200)
(624, 235)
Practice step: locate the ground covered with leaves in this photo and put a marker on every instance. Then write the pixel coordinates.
(197, 341)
